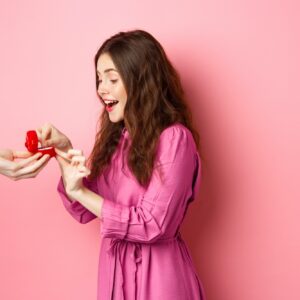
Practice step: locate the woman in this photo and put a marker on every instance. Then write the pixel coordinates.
(144, 170)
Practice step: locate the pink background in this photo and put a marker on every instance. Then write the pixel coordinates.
(239, 63)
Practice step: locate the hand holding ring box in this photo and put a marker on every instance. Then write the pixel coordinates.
(32, 144)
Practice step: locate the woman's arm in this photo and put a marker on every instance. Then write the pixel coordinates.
(73, 179)
(92, 201)
(164, 203)
(75, 204)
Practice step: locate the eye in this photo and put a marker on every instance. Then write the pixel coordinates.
(114, 80)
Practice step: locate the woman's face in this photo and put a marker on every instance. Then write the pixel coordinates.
(111, 87)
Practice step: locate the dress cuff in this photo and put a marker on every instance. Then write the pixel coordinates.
(114, 218)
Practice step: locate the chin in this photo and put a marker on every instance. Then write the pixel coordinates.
(115, 119)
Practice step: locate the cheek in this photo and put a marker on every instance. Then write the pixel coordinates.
(122, 94)
(124, 97)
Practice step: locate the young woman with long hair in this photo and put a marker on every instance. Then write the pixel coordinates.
(142, 174)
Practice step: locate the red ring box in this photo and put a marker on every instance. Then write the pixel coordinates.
(32, 144)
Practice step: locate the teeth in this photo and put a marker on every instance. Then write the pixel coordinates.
(111, 101)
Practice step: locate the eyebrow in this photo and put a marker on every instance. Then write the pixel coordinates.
(108, 70)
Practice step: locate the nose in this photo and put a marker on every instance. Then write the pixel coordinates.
(103, 89)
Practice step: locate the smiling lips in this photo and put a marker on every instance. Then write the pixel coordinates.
(109, 102)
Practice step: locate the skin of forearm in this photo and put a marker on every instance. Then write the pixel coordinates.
(90, 200)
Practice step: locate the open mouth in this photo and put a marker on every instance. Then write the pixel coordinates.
(111, 104)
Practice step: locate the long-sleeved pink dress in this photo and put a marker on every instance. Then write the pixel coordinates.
(142, 254)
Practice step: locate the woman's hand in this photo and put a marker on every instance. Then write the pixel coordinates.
(73, 168)
(28, 167)
(49, 136)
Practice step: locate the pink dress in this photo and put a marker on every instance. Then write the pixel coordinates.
(142, 254)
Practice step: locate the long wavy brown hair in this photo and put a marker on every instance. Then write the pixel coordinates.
(155, 100)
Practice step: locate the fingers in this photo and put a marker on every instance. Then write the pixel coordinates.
(84, 170)
(73, 152)
(22, 154)
(44, 132)
(70, 154)
(28, 171)
(72, 164)
(74, 158)
(62, 154)
(49, 143)
(62, 161)
(33, 174)
(23, 163)
(78, 160)
(39, 133)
